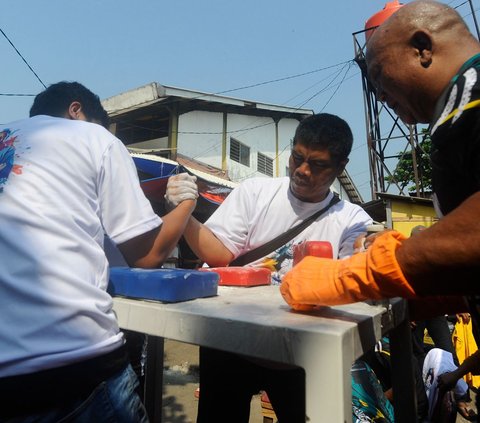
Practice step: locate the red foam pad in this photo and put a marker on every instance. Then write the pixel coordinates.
(312, 248)
(241, 276)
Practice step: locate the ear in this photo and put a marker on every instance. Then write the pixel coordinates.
(341, 166)
(74, 110)
(422, 42)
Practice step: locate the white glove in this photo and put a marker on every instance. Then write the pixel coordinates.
(181, 187)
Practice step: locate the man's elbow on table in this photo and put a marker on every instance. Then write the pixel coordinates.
(143, 251)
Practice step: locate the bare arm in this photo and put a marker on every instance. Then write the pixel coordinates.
(470, 365)
(151, 249)
(445, 258)
(206, 246)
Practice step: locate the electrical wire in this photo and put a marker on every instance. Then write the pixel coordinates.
(347, 65)
(282, 79)
(23, 58)
(16, 95)
(330, 85)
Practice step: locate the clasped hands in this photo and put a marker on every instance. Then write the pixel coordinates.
(180, 188)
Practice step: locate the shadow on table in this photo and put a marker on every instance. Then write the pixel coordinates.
(365, 323)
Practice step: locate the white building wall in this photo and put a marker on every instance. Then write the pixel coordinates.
(258, 133)
(337, 187)
(200, 137)
(286, 130)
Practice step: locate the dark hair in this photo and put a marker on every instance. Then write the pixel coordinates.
(325, 131)
(56, 100)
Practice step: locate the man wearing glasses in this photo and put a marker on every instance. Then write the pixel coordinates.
(253, 214)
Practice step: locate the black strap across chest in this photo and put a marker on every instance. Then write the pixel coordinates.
(281, 239)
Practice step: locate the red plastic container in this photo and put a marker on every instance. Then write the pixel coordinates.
(312, 248)
(241, 276)
(380, 17)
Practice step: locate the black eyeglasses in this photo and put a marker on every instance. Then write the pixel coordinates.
(316, 166)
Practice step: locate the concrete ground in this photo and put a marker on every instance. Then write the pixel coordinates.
(181, 380)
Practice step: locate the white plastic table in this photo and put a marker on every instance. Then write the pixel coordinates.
(258, 323)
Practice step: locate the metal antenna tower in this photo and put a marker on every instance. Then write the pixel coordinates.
(388, 138)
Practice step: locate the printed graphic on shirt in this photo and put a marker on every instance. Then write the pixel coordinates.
(278, 262)
(7, 156)
(449, 112)
(369, 404)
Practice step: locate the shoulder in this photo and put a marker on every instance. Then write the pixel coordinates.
(52, 132)
(345, 208)
(347, 205)
(263, 182)
(262, 185)
(461, 99)
(92, 129)
(67, 128)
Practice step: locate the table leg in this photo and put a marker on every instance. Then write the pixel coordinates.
(403, 382)
(154, 379)
(328, 382)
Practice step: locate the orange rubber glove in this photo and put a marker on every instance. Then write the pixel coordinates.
(373, 274)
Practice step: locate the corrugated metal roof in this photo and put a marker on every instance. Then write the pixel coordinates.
(350, 188)
(201, 174)
(155, 92)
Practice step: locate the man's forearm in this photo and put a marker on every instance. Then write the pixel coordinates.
(150, 250)
(206, 246)
(433, 306)
(470, 365)
(442, 260)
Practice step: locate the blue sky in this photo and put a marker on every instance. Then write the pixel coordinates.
(214, 46)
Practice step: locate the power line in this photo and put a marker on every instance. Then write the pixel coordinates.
(346, 66)
(249, 128)
(282, 79)
(20, 54)
(338, 86)
(330, 85)
(309, 88)
(16, 95)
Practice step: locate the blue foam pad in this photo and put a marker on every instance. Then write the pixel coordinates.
(170, 285)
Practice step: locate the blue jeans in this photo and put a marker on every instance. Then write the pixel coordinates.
(115, 401)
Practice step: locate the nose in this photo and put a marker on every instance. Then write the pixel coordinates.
(304, 168)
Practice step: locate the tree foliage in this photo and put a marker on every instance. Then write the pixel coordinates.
(404, 174)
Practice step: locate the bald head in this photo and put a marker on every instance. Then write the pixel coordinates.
(414, 54)
(424, 15)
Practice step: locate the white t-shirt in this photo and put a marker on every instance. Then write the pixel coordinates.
(63, 184)
(437, 362)
(260, 209)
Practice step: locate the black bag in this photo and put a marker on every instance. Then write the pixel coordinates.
(281, 239)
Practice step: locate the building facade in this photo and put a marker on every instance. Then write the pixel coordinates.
(226, 137)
